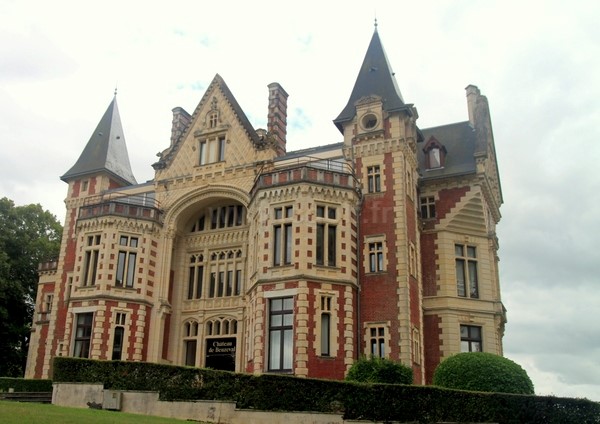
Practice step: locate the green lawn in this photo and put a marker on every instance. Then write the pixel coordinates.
(33, 413)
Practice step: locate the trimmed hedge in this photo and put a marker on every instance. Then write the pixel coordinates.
(484, 372)
(375, 402)
(380, 370)
(25, 385)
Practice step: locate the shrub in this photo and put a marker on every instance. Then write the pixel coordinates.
(483, 372)
(357, 401)
(380, 370)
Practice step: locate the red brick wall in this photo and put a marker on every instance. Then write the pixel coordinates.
(433, 343)
(378, 296)
(429, 262)
(319, 366)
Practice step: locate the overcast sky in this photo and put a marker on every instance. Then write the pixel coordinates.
(537, 62)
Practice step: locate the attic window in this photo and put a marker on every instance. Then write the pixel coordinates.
(213, 119)
(369, 121)
(435, 154)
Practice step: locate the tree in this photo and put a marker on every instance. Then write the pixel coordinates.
(483, 372)
(28, 236)
(380, 370)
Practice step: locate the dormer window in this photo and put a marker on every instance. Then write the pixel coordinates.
(434, 158)
(435, 154)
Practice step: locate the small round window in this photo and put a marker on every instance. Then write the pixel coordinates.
(369, 121)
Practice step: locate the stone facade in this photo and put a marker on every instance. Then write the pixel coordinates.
(240, 255)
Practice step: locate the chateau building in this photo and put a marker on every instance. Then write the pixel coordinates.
(242, 256)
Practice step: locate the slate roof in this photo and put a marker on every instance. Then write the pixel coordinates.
(374, 78)
(105, 151)
(459, 141)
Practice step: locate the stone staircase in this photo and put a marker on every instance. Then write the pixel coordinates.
(38, 397)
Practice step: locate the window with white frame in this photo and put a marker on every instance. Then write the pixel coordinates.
(327, 220)
(282, 235)
(91, 258)
(466, 270)
(126, 261)
(281, 334)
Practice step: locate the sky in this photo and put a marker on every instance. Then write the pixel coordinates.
(538, 63)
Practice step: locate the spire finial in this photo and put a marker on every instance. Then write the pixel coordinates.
(115, 91)
(375, 23)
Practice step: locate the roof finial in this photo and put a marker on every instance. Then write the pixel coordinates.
(115, 91)
(375, 22)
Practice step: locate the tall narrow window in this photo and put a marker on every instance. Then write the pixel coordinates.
(416, 353)
(466, 271)
(470, 338)
(203, 152)
(376, 257)
(427, 207)
(376, 340)
(326, 325)
(221, 149)
(412, 259)
(190, 343)
(196, 277)
(118, 343)
(90, 266)
(225, 278)
(83, 335)
(213, 119)
(282, 235)
(126, 261)
(281, 340)
(326, 249)
(373, 179)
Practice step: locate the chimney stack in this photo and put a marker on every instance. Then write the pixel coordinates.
(277, 117)
(473, 94)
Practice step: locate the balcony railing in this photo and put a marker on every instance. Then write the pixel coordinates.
(318, 171)
(137, 207)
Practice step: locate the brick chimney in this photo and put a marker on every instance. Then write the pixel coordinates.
(181, 120)
(277, 117)
(473, 94)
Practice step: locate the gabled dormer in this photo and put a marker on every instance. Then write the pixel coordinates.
(435, 154)
(104, 156)
(218, 134)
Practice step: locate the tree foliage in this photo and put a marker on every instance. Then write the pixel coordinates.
(28, 235)
(483, 372)
(380, 370)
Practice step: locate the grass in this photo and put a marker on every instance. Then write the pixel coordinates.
(30, 413)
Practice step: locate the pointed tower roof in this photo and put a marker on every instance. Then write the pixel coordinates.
(106, 150)
(375, 78)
